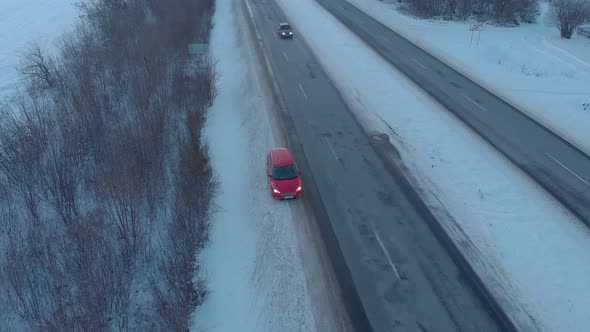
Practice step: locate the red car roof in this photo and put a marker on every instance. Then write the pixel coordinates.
(281, 157)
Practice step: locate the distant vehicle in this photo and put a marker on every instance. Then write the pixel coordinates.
(285, 30)
(283, 175)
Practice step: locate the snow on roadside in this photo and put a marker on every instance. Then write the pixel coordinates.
(252, 265)
(542, 249)
(26, 21)
(530, 66)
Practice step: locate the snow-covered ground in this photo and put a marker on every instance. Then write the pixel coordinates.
(262, 266)
(539, 246)
(25, 21)
(529, 66)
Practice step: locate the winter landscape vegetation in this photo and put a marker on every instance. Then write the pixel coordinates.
(132, 188)
(105, 186)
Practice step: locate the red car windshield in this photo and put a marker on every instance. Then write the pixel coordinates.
(284, 173)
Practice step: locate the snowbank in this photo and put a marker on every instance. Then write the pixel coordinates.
(26, 21)
(537, 244)
(529, 66)
(260, 266)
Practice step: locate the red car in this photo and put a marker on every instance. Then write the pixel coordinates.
(283, 175)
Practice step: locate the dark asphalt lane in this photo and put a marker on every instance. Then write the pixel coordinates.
(555, 164)
(405, 278)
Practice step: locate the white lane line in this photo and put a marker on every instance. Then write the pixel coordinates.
(302, 91)
(331, 149)
(569, 170)
(419, 63)
(285, 55)
(474, 102)
(387, 255)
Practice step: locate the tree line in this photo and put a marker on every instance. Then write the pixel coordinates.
(498, 11)
(566, 14)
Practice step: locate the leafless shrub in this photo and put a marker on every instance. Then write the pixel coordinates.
(452, 8)
(569, 14)
(176, 294)
(465, 8)
(37, 67)
(427, 8)
(21, 148)
(528, 10)
(503, 10)
(100, 186)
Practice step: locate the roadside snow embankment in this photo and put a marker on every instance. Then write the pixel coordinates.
(261, 267)
(531, 239)
(529, 66)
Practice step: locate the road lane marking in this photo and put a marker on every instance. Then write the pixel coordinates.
(285, 55)
(419, 63)
(357, 20)
(569, 170)
(387, 255)
(302, 91)
(331, 149)
(474, 102)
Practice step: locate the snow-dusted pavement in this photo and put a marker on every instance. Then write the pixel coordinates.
(540, 248)
(530, 66)
(25, 21)
(265, 268)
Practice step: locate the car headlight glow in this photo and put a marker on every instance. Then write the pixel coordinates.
(298, 188)
(275, 191)
(282, 33)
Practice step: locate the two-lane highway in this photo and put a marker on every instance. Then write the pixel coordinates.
(404, 277)
(554, 163)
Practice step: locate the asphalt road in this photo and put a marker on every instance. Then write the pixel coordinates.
(405, 278)
(562, 169)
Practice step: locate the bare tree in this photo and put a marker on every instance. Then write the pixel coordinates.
(428, 8)
(528, 10)
(37, 67)
(569, 14)
(465, 8)
(516, 11)
(452, 8)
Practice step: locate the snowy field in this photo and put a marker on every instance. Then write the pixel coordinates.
(529, 66)
(539, 247)
(261, 265)
(25, 21)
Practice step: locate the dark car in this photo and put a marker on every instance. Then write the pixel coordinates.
(285, 30)
(283, 176)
